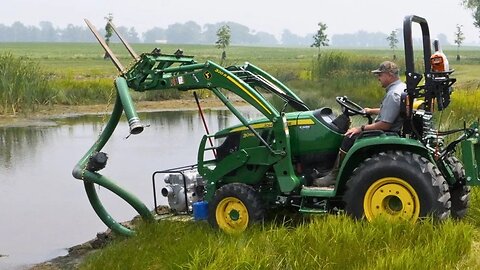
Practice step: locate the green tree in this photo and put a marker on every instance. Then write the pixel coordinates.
(320, 39)
(459, 38)
(184, 33)
(474, 5)
(392, 42)
(223, 40)
(108, 32)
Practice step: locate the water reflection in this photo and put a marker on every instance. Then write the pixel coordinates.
(44, 210)
(18, 142)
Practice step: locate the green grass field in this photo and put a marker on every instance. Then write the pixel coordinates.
(77, 74)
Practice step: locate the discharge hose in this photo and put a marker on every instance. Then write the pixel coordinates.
(133, 121)
(123, 102)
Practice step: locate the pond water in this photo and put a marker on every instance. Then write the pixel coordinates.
(44, 210)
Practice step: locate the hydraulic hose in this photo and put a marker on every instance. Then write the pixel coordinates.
(123, 102)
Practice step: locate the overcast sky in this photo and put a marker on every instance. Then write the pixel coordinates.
(273, 16)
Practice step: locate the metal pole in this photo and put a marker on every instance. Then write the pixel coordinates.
(204, 122)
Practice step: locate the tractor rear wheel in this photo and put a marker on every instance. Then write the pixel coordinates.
(459, 192)
(235, 207)
(397, 185)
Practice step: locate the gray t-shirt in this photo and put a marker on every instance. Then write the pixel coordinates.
(390, 107)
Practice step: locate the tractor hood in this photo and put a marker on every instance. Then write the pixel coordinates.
(258, 124)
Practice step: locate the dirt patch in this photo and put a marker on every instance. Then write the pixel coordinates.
(77, 254)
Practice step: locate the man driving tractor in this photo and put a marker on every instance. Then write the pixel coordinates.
(388, 117)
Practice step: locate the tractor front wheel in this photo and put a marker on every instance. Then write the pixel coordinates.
(397, 185)
(234, 207)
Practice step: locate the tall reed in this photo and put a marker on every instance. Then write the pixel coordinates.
(23, 85)
(78, 91)
(337, 73)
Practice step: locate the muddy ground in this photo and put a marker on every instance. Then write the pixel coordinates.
(77, 254)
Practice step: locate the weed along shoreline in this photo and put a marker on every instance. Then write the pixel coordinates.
(44, 115)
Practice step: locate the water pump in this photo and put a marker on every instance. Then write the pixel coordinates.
(183, 189)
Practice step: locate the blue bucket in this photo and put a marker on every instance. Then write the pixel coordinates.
(200, 210)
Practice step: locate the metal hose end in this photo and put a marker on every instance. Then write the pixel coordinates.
(135, 126)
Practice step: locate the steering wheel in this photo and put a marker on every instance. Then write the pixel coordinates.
(351, 108)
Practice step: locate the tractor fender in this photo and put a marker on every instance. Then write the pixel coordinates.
(366, 147)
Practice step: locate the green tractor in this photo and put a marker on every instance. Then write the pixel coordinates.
(268, 164)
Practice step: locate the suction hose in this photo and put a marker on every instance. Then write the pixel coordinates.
(123, 102)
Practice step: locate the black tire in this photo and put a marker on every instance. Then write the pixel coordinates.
(235, 207)
(399, 185)
(459, 192)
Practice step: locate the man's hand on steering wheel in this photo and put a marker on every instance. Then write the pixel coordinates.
(351, 108)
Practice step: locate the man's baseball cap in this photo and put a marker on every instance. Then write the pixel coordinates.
(387, 66)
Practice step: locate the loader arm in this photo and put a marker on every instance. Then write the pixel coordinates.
(255, 76)
(197, 76)
(162, 71)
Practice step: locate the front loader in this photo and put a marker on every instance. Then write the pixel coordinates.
(268, 164)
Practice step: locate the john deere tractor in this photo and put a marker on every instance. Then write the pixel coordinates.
(268, 164)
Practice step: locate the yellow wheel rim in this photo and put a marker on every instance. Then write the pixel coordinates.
(391, 198)
(232, 215)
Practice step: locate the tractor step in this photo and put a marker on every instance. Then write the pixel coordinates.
(317, 191)
(306, 210)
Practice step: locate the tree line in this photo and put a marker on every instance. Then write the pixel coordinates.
(183, 33)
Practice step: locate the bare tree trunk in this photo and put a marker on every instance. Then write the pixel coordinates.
(224, 56)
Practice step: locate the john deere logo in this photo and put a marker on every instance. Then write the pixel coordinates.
(207, 75)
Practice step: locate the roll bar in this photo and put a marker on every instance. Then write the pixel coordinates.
(408, 42)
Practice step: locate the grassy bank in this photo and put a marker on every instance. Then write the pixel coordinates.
(329, 242)
(322, 242)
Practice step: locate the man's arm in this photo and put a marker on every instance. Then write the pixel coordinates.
(371, 110)
(380, 125)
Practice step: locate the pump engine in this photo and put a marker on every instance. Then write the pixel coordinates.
(183, 189)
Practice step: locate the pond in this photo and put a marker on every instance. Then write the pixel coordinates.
(44, 210)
